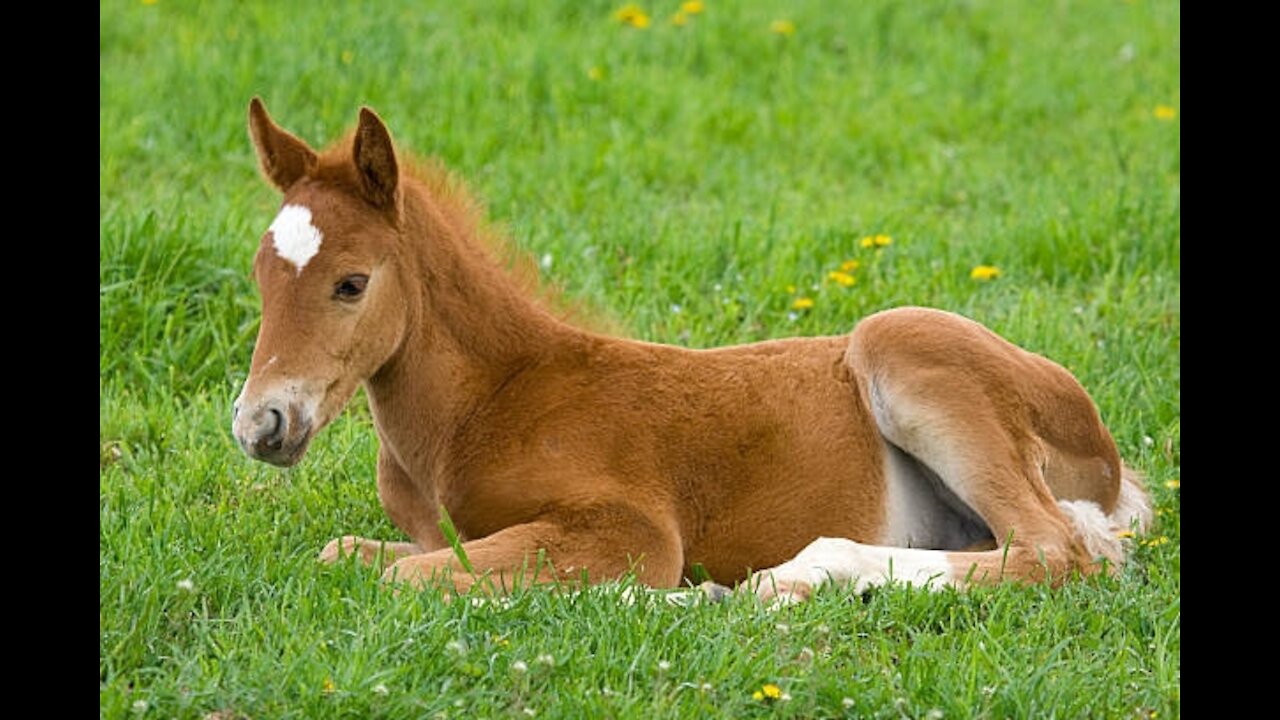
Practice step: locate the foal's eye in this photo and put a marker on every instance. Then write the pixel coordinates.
(350, 287)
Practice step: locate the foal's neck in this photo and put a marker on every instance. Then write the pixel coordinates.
(476, 304)
(473, 327)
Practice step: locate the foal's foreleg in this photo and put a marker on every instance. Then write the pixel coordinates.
(410, 510)
(369, 552)
(605, 542)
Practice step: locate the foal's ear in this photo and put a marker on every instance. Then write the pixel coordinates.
(284, 158)
(375, 160)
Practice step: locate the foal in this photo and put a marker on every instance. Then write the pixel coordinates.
(920, 446)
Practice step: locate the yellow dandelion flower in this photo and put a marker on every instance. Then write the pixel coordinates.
(757, 696)
(783, 27)
(1126, 534)
(693, 7)
(595, 73)
(985, 272)
(347, 57)
(802, 303)
(849, 265)
(1173, 484)
(771, 691)
(328, 686)
(882, 240)
(1153, 542)
(1165, 112)
(633, 16)
(680, 19)
(843, 278)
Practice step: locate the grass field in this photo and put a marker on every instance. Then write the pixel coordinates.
(695, 184)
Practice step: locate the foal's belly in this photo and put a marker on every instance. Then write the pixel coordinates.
(821, 473)
(838, 494)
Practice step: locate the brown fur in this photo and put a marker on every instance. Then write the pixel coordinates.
(612, 455)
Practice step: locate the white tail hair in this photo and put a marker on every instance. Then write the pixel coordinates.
(1100, 533)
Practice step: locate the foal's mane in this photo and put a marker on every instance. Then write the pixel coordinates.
(447, 194)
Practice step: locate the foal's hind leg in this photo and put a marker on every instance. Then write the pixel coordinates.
(405, 504)
(985, 417)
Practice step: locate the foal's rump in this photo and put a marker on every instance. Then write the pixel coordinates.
(986, 438)
(996, 465)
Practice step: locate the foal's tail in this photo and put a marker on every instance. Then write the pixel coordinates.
(1133, 507)
(1102, 535)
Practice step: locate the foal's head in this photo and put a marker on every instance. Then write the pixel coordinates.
(333, 287)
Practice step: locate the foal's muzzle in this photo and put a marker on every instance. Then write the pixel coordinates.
(271, 430)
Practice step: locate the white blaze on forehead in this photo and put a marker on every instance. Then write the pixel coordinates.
(295, 238)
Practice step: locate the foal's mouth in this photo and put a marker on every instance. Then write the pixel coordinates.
(284, 453)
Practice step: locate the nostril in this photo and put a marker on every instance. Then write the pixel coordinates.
(274, 433)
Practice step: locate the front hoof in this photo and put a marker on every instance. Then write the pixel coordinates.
(402, 573)
(339, 548)
(409, 574)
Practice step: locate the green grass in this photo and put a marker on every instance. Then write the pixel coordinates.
(709, 168)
